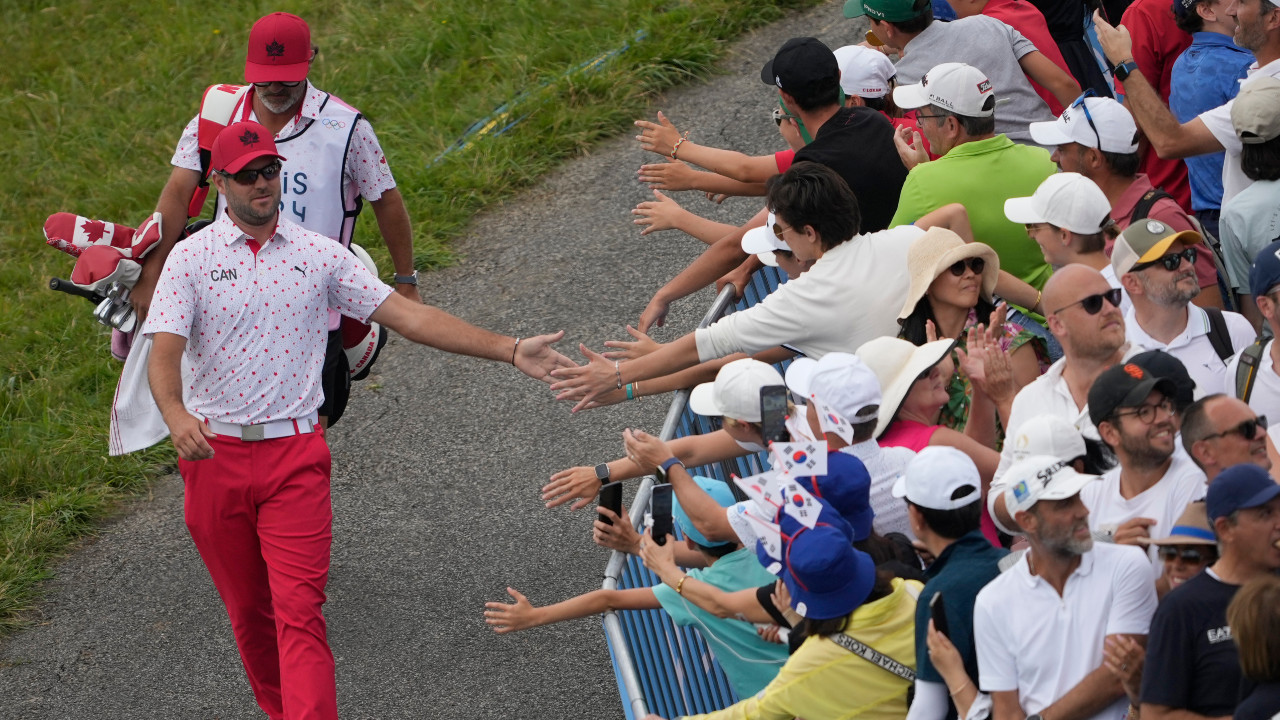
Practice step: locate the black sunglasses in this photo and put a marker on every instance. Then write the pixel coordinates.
(1170, 261)
(1247, 429)
(249, 177)
(1093, 303)
(1080, 103)
(976, 264)
(1192, 555)
(293, 84)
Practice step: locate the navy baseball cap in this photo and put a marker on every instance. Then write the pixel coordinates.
(1239, 487)
(1265, 273)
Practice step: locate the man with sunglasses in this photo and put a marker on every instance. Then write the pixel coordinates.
(1098, 138)
(1192, 667)
(1138, 500)
(1155, 264)
(244, 305)
(1220, 431)
(335, 164)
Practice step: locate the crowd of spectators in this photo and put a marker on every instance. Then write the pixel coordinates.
(1037, 385)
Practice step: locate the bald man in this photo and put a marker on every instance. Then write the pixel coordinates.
(1220, 431)
(1083, 312)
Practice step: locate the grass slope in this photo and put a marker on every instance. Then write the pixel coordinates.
(95, 94)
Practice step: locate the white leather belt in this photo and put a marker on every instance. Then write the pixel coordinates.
(268, 430)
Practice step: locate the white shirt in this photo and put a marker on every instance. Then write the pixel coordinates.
(1164, 502)
(1218, 121)
(1193, 347)
(1046, 395)
(1032, 640)
(885, 464)
(257, 324)
(1265, 396)
(852, 294)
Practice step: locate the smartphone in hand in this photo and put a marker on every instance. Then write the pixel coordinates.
(610, 497)
(773, 413)
(660, 509)
(938, 612)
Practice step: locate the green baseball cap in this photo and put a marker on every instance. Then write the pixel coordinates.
(886, 10)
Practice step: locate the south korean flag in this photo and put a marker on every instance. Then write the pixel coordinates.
(806, 457)
(765, 490)
(832, 422)
(800, 505)
(770, 538)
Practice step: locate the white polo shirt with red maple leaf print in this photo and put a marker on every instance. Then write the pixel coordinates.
(257, 323)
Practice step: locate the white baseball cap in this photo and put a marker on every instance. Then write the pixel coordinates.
(1051, 435)
(1067, 200)
(962, 89)
(845, 384)
(1041, 477)
(1093, 122)
(762, 242)
(864, 72)
(940, 478)
(736, 390)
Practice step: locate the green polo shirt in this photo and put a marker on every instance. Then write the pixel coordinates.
(981, 175)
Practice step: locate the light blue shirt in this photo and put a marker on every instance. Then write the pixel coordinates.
(1250, 222)
(749, 662)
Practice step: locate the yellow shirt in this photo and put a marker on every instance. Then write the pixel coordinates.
(824, 681)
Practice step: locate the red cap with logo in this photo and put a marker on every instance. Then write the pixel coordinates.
(239, 144)
(279, 49)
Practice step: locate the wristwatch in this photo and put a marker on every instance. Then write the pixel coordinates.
(1122, 72)
(665, 467)
(602, 473)
(411, 279)
(1034, 716)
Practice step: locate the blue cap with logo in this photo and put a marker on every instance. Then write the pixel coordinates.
(1239, 487)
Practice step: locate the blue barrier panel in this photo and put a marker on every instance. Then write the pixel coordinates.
(661, 668)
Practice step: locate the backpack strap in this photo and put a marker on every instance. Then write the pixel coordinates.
(1219, 334)
(1143, 207)
(216, 111)
(1247, 370)
(873, 656)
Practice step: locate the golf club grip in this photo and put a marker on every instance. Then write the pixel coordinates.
(70, 288)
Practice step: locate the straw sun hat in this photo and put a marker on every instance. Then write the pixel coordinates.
(898, 364)
(935, 251)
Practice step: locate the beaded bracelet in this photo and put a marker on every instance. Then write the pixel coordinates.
(618, 371)
(676, 148)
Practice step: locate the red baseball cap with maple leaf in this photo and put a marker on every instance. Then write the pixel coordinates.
(279, 49)
(240, 143)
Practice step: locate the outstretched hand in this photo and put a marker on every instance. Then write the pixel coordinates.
(536, 358)
(659, 137)
(585, 383)
(643, 345)
(655, 314)
(576, 483)
(669, 175)
(658, 214)
(505, 618)
(645, 450)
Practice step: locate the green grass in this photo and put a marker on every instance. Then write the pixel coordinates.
(95, 94)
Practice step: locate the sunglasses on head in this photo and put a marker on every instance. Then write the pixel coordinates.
(249, 177)
(976, 264)
(1192, 555)
(1247, 429)
(1170, 261)
(1093, 303)
(1080, 103)
(293, 84)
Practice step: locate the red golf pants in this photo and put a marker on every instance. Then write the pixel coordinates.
(260, 515)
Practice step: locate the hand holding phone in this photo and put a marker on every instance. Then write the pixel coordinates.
(610, 497)
(660, 509)
(938, 612)
(773, 413)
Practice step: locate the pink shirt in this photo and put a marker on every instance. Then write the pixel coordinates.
(257, 323)
(366, 165)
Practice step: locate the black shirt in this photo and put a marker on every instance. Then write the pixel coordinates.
(1262, 704)
(1192, 662)
(858, 144)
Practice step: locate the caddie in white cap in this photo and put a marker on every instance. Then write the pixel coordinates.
(843, 396)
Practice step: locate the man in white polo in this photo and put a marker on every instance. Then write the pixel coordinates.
(1155, 265)
(1041, 625)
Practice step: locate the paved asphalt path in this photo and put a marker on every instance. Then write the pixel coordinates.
(437, 469)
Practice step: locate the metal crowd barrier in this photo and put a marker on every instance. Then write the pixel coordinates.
(661, 668)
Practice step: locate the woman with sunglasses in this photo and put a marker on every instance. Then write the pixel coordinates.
(951, 293)
(1190, 547)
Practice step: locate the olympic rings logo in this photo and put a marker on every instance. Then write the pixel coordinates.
(332, 124)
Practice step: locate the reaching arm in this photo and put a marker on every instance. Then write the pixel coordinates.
(661, 138)
(600, 375)
(675, 175)
(522, 615)
(172, 207)
(741, 604)
(663, 213)
(432, 326)
(164, 373)
(1170, 138)
(397, 232)
(1041, 69)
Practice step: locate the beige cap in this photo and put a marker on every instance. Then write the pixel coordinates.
(1255, 113)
